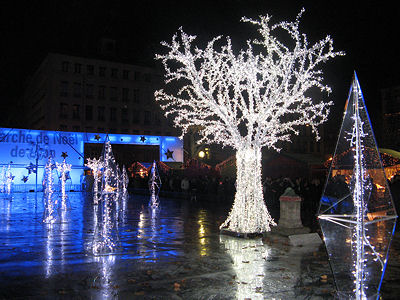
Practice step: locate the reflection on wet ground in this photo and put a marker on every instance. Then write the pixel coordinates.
(174, 253)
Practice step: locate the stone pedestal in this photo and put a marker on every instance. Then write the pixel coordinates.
(290, 218)
(290, 212)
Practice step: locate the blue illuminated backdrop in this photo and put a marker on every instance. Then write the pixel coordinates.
(24, 148)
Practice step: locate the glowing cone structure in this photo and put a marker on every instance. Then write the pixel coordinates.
(95, 165)
(106, 238)
(125, 179)
(154, 187)
(9, 180)
(356, 214)
(50, 201)
(64, 169)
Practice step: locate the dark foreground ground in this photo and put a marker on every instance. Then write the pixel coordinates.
(176, 254)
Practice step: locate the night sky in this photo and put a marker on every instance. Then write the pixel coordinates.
(368, 33)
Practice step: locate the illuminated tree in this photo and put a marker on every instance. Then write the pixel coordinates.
(249, 100)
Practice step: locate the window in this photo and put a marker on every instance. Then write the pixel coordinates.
(63, 110)
(147, 117)
(77, 89)
(75, 112)
(136, 76)
(113, 114)
(64, 88)
(124, 115)
(89, 112)
(114, 73)
(125, 94)
(101, 116)
(136, 96)
(102, 71)
(90, 69)
(102, 92)
(64, 66)
(125, 74)
(77, 68)
(113, 93)
(89, 90)
(135, 117)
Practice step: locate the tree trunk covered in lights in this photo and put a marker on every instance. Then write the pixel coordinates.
(249, 213)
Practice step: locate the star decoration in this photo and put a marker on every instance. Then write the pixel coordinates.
(97, 137)
(64, 155)
(142, 139)
(169, 154)
(31, 168)
(25, 178)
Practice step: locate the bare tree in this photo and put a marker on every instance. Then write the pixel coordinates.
(249, 100)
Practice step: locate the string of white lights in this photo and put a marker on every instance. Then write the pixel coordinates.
(247, 100)
(63, 168)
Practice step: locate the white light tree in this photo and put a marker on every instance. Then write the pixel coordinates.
(249, 100)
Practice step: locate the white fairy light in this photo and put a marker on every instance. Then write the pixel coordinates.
(63, 168)
(125, 179)
(106, 238)
(50, 202)
(9, 178)
(154, 187)
(247, 101)
(95, 165)
(362, 245)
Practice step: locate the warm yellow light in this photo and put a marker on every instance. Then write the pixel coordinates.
(202, 154)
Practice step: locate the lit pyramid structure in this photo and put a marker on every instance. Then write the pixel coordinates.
(357, 214)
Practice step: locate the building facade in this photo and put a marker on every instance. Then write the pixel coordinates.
(390, 100)
(70, 93)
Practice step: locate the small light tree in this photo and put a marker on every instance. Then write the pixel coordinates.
(248, 101)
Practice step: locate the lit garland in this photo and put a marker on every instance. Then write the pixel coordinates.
(106, 239)
(95, 165)
(50, 202)
(247, 101)
(363, 249)
(3, 179)
(9, 179)
(154, 187)
(125, 179)
(63, 168)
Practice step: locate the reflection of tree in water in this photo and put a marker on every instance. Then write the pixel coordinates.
(103, 280)
(248, 256)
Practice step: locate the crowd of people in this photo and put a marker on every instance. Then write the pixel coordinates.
(222, 189)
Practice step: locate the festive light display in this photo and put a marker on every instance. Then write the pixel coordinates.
(106, 238)
(95, 165)
(64, 169)
(125, 179)
(247, 101)
(3, 179)
(51, 204)
(154, 187)
(9, 179)
(356, 214)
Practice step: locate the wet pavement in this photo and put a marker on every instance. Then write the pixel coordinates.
(177, 253)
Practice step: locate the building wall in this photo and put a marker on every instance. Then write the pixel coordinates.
(71, 93)
(390, 99)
